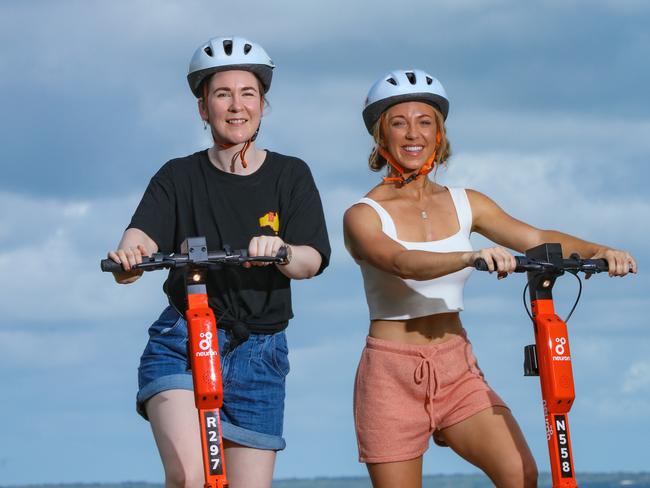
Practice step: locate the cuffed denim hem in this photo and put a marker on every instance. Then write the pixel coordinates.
(249, 438)
(239, 435)
(164, 383)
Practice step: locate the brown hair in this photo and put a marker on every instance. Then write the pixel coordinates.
(443, 151)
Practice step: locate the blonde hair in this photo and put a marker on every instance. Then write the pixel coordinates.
(443, 150)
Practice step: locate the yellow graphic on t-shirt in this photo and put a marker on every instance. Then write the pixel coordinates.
(271, 220)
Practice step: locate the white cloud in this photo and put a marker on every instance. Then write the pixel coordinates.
(541, 190)
(47, 349)
(121, 41)
(637, 378)
(607, 406)
(302, 24)
(52, 248)
(584, 135)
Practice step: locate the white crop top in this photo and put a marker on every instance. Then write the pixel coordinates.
(393, 298)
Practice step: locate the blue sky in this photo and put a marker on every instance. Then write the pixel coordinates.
(549, 116)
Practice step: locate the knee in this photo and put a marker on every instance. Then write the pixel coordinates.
(530, 474)
(519, 473)
(183, 477)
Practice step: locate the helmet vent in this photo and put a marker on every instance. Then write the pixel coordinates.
(247, 48)
(429, 80)
(208, 50)
(227, 47)
(411, 77)
(392, 81)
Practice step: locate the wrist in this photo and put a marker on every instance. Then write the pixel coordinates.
(599, 251)
(469, 257)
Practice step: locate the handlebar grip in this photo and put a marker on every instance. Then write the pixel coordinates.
(599, 265)
(281, 255)
(110, 266)
(481, 265)
(522, 261)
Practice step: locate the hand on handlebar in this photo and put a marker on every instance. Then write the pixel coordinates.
(619, 262)
(497, 259)
(128, 257)
(263, 246)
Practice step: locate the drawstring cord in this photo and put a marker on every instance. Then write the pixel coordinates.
(431, 376)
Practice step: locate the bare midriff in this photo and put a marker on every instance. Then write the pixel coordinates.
(418, 331)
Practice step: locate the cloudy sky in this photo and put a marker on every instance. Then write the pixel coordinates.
(550, 116)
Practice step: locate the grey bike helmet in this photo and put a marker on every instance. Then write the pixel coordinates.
(226, 53)
(403, 86)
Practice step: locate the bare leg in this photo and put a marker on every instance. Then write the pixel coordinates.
(402, 474)
(175, 426)
(492, 441)
(247, 467)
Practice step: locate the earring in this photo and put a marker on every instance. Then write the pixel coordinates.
(205, 125)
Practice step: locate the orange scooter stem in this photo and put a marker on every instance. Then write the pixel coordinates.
(552, 356)
(205, 363)
(203, 350)
(558, 394)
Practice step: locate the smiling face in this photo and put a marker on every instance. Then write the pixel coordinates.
(234, 106)
(409, 133)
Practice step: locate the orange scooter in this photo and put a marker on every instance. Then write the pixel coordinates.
(550, 356)
(203, 347)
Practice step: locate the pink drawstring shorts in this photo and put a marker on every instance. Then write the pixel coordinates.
(405, 393)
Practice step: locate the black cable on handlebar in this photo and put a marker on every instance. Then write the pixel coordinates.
(577, 298)
(524, 264)
(575, 304)
(526, 304)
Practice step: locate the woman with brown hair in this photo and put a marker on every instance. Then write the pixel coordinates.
(238, 195)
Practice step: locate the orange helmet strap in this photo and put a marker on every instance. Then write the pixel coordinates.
(424, 169)
(241, 153)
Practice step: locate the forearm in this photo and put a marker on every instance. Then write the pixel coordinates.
(571, 244)
(305, 263)
(423, 265)
(133, 237)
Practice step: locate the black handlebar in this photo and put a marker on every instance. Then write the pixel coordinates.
(161, 260)
(573, 265)
(110, 266)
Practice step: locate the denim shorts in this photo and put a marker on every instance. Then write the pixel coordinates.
(253, 379)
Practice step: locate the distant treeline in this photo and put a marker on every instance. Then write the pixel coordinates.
(587, 480)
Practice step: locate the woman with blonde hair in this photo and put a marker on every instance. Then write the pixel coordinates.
(418, 377)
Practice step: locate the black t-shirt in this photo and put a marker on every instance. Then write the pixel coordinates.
(190, 197)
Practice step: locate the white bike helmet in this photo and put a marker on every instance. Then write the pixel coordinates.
(227, 53)
(403, 86)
